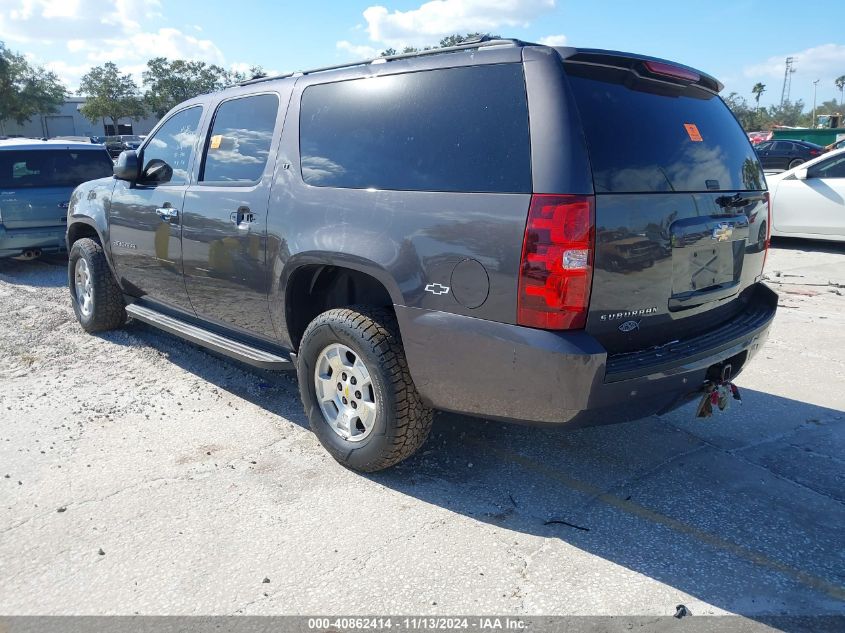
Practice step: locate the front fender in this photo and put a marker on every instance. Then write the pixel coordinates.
(89, 206)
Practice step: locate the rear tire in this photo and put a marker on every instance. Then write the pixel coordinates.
(795, 162)
(95, 295)
(389, 422)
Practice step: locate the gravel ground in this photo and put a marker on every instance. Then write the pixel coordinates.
(140, 474)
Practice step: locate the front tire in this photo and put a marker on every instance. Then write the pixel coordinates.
(95, 295)
(357, 391)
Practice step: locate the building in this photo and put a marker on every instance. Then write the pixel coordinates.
(68, 121)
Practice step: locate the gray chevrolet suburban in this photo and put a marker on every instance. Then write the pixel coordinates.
(501, 229)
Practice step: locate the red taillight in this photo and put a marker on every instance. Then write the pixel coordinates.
(557, 262)
(670, 70)
(815, 152)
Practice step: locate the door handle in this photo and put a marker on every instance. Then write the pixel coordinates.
(168, 214)
(242, 218)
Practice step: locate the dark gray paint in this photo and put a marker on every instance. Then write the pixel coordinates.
(506, 371)
(465, 358)
(227, 272)
(644, 259)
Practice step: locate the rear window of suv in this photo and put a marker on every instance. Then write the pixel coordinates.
(458, 129)
(643, 139)
(52, 168)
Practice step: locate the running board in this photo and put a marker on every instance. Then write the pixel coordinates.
(211, 340)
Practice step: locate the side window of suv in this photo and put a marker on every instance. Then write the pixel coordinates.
(238, 145)
(457, 129)
(167, 154)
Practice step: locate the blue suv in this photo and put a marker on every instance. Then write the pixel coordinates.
(36, 180)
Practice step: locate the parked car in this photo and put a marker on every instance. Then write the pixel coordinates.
(117, 144)
(75, 139)
(759, 137)
(786, 154)
(36, 182)
(99, 140)
(840, 144)
(408, 238)
(809, 200)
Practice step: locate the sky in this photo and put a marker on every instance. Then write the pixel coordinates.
(740, 42)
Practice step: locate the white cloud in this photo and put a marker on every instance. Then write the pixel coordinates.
(97, 31)
(172, 43)
(358, 51)
(56, 20)
(819, 62)
(553, 40)
(437, 18)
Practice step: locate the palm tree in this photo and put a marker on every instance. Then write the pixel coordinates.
(840, 83)
(758, 91)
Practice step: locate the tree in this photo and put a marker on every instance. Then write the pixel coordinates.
(758, 91)
(26, 90)
(169, 83)
(457, 39)
(450, 40)
(840, 84)
(110, 95)
(747, 117)
(790, 113)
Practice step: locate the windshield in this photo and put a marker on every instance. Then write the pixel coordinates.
(52, 168)
(645, 139)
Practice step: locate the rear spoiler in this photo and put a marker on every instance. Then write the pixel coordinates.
(642, 66)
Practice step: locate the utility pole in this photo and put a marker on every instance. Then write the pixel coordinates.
(787, 81)
(815, 86)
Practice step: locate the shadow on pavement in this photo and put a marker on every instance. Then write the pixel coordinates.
(810, 246)
(49, 271)
(743, 511)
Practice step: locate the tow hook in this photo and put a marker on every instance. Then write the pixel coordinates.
(718, 393)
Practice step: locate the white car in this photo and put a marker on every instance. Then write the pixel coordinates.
(809, 200)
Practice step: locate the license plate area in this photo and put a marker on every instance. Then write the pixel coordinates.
(707, 259)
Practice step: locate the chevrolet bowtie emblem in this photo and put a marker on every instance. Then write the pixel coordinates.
(437, 289)
(723, 231)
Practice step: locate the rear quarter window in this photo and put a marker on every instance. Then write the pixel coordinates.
(52, 168)
(458, 129)
(643, 140)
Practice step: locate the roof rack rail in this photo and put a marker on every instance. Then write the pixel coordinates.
(475, 43)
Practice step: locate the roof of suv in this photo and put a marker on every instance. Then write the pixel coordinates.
(31, 144)
(588, 55)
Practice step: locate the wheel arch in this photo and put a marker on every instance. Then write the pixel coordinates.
(313, 284)
(80, 228)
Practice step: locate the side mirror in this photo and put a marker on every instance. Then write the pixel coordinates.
(127, 166)
(157, 171)
(801, 174)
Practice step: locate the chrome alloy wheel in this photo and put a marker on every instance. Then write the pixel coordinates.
(83, 286)
(345, 392)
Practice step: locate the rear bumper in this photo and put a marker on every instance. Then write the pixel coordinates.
(502, 371)
(48, 239)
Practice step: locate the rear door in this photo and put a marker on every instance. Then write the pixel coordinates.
(35, 185)
(225, 214)
(680, 210)
(781, 153)
(763, 150)
(146, 217)
(816, 205)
